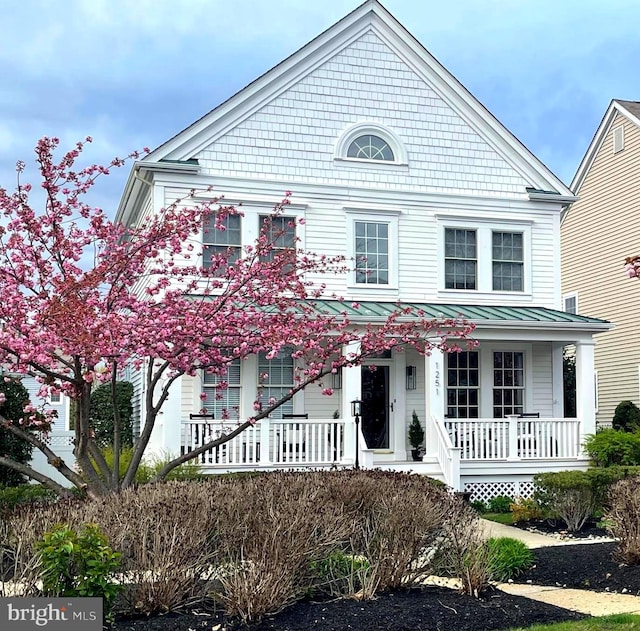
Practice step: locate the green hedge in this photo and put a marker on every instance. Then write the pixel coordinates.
(610, 447)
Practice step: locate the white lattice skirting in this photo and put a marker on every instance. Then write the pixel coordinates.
(484, 491)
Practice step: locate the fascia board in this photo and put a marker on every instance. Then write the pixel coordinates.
(265, 88)
(425, 65)
(594, 147)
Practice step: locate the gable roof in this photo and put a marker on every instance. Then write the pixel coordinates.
(369, 16)
(629, 109)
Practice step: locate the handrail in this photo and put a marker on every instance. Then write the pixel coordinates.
(448, 456)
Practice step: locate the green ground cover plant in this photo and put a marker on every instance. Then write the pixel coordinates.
(508, 558)
(622, 622)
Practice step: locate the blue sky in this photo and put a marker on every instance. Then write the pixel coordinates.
(134, 73)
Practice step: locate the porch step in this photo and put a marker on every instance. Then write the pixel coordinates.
(428, 466)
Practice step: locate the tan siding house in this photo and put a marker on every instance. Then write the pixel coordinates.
(597, 233)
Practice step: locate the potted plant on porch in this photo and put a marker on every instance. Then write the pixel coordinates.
(416, 436)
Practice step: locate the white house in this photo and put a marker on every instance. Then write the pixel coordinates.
(389, 156)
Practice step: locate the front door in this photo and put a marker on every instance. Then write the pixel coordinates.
(375, 406)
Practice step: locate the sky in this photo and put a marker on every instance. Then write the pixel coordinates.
(133, 73)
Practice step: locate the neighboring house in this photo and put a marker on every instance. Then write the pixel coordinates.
(375, 138)
(597, 233)
(61, 437)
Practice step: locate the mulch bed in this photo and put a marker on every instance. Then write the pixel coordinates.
(587, 566)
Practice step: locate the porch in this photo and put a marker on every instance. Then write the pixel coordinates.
(485, 456)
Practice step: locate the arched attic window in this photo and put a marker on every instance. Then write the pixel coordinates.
(370, 147)
(369, 142)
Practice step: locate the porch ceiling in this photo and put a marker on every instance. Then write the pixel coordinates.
(481, 315)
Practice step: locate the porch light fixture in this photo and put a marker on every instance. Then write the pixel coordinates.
(411, 377)
(356, 409)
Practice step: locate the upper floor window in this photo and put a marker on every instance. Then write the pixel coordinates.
(372, 252)
(55, 398)
(570, 303)
(508, 261)
(281, 233)
(218, 241)
(460, 258)
(370, 147)
(485, 256)
(371, 142)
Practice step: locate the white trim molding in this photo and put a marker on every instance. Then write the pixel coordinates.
(373, 129)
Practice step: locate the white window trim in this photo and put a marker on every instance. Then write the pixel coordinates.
(484, 230)
(250, 222)
(389, 218)
(50, 400)
(568, 296)
(596, 394)
(375, 129)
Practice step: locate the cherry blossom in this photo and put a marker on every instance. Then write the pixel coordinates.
(82, 298)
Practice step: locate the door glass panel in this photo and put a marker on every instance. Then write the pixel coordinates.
(375, 406)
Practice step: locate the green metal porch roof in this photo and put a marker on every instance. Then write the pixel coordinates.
(475, 313)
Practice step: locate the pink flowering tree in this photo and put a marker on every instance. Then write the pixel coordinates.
(81, 298)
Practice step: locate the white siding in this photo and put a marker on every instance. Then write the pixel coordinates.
(542, 399)
(293, 137)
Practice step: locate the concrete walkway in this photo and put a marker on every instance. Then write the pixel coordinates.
(581, 600)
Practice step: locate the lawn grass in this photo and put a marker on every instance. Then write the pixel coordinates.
(501, 518)
(620, 622)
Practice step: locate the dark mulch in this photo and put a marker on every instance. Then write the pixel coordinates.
(436, 609)
(590, 530)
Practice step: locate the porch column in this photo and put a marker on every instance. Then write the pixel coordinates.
(585, 391)
(557, 350)
(351, 390)
(171, 416)
(434, 397)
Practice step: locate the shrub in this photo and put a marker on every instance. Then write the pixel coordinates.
(416, 433)
(479, 506)
(101, 413)
(623, 518)
(570, 495)
(525, 510)
(12, 446)
(79, 564)
(13, 496)
(612, 447)
(500, 504)
(507, 558)
(463, 552)
(340, 574)
(250, 541)
(626, 417)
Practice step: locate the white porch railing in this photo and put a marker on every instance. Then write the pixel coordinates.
(268, 442)
(515, 438)
(448, 456)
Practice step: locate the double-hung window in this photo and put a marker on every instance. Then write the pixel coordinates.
(280, 233)
(276, 378)
(463, 385)
(508, 383)
(372, 242)
(226, 241)
(460, 259)
(508, 261)
(223, 402)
